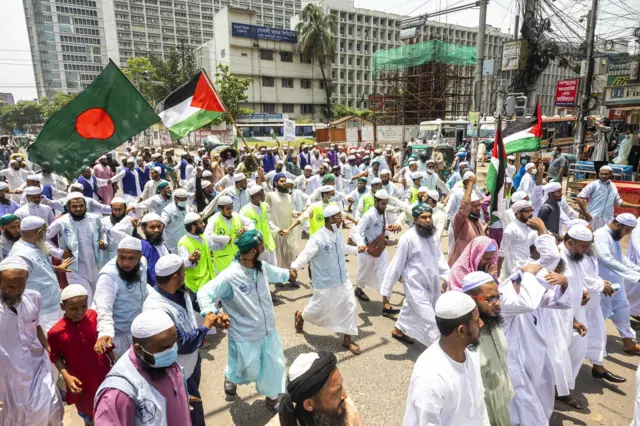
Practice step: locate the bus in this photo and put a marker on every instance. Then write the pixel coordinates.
(438, 132)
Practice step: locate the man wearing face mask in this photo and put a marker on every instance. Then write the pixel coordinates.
(238, 194)
(255, 352)
(158, 202)
(173, 219)
(333, 304)
(354, 196)
(281, 209)
(421, 264)
(258, 212)
(147, 385)
(7, 206)
(432, 180)
(194, 251)
(117, 225)
(33, 206)
(528, 181)
(466, 224)
(121, 290)
(314, 212)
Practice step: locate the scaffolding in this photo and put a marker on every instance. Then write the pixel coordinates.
(423, 81)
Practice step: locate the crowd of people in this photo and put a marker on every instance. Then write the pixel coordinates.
(111, 283)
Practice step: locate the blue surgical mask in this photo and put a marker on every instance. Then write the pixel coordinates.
(182, 204)
(165, 358)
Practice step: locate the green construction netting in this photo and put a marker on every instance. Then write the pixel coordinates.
(411, 55)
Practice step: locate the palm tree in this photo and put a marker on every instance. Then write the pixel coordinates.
(316, 39)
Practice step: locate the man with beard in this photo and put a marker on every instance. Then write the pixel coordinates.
(466, 224)
(93, 206)
(7, 206)
(366, 201)
(194, 251)
(281, 211)
(32, 249)
(514, 247)
(421, 264)
(27, 384)
(204, 191)
(158, 202)
(153, 247)
(255, 351)
(131, 185)
(483, 289)
(333, 304)
(10, 227)
(151, 186)
(91, 184)
(34, 206)
(446, 384)
(121, 290)
(103, 171)
(81, 236)
(354, 196)
(171, 296)
(615, 267)
(315, 395)
(15, 176)
(279, 169)
(432, 180)
(117, 226)
(237, 193)
(551, 210)
(146, 385)
(143, 172)
(173, 219)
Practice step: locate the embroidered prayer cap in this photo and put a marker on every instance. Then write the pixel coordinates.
(521, 205)
(30, 223)
(433, 194)
(254, 189)
(205, 184)
(580, 233)
(529, 166)
(376, 181)
(14, 262)
(249, 240)
(130, 243)
(8, 218)
(180, 193)
(239, 177)
(75, 196)
(289, 181)
(475, 279)
(149, 323)
(33, 190)
(511, 157)
(464, 164)
(551, 187)
(577, 222)
(37, 178)
(606, 168)
(131, 160)
(416, 175)
(225, 200)
(191, 217)
(420, 208)
(329, 177)
(381, 194)
(331, 210)
(454, 304)
(423, 189)
(3, 186)
(156, 169)
(385, 172)
(76, 186)
(518, 196)
(327, 188)
(627, 219)
(161, 186)
(431, 162)
(412, 162)
(118, 200)
(149, 217)
(73, 290)
(351, 158)
(467, 175)
(207, 173)
(308, 167)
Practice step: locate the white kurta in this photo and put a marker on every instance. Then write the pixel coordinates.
(422, 265)
(371, 269)
(632, 288)
(281, 213)
(514, 247)
(27, 385)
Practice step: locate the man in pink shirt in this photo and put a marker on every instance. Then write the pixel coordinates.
(146, 386)
(103, 171)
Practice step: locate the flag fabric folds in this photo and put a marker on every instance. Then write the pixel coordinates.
(496, 175)
(107, 113)
(190, 107)
(523, 134)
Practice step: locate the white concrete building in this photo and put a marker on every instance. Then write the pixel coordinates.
(67, 44)
(282, 81)
(154, 27)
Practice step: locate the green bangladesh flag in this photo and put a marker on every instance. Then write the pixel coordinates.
(98, 120)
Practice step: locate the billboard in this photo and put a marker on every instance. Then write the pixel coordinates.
(514, 54)
(263, 33)
(621, 71)
(567, 92)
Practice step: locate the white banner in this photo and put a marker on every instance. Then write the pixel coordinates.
(352, 134)
(411, 132)
(367, 134)
(389, 133)
(289, 130)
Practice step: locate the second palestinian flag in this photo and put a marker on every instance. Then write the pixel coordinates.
(190, 107)
(524, 133)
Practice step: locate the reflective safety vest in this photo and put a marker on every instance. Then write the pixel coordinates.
(203, 271)
(261, 223)
(316, 221)
(223, 258)
(414, 194)
(367, 201)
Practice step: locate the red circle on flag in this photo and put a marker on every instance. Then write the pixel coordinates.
(95, 123)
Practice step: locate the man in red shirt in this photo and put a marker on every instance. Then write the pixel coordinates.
(72, 340)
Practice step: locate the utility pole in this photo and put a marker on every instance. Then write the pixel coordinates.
(477, 86)
(586, 86)
(529, 17)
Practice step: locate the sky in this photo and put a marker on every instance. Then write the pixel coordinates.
(616, 18)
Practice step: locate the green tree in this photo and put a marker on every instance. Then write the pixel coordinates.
(188, 66)
(232, 90)
(53, 105)
(20, 115)
(316, 40)
(141, 72)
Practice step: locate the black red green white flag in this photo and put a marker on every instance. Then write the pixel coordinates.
(496, 175)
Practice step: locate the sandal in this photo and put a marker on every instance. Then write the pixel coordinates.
(361, 295)
(353, 348)
(634, 351)
(403, 338)
(298, 322)
(230, 389)
(274, 404)
(570, 401)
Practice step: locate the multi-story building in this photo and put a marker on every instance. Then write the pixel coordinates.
(282, 81)
(155, 27)
(67, 44)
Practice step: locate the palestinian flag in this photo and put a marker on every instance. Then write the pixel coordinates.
(98, 120)
(496, 175)
(524, 134)
(190, 107)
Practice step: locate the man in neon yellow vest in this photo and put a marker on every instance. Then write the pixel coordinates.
(411, 196)
(222, 230)
(194, 250)
(366, 201)
(315, 212)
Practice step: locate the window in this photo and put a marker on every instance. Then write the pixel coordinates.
(322, 84)
(63, 19)
(268, 82)
(304, 60)
(286, 57)
(306, 108)
(287, 83)
(287, 108)
(268, 108)
(266, 55)
(305, 83)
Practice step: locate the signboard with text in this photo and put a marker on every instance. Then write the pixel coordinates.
(514, 55)
(289, 130)
(621, 70)
(263, 33)
(567, 92)
(367, 133)
(352, 134)
(622, 96)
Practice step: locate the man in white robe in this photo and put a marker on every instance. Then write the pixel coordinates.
(238, 194)
(528, 181)
(514, 247)
(422, 265)
(27, 384)
(333, 304)
(117, 226)
(281, 213)
(630, 287)
(34, 206)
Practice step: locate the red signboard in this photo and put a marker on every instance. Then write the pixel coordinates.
(617, 114)
(567, 92)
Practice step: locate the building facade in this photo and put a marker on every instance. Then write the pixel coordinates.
(282, 82)
(67, 44)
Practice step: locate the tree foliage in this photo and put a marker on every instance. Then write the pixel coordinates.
(20, 115)
(232, 90)
(339, 111)
(53, 105)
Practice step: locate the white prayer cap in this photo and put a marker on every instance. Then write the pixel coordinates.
(627, 219)
(511, 157)
(416, 175)
(464, 163)
(412, 162)
(577, 222)
(548, 249)
(467, 175)
(168, 265)
(454, 304)
(606, 168)
(37, 178)
(149, 217)
(381, 195)
(14, 262)
(130, 243)
(191, 217)
(225, 200)
(377, 151)
(385, 172)
(76, 186)
(207, 173)
(30, 223)
(475, 279)
(156, 155)
(580, 233)
(118, 200)
(102, 157)
(423, 189)
(520, 205)
(327, 188)
(308, 167)
(33, 190)
(3, 185)
(529, 166)
(149, 323)
(507, 179)
(205, 184)
(431, 162)
(158, 170)
(551, 187)
(254, 189)
(301, 365)
(239, 177)
(180, 193)
(351, 157)
(331, 210)
(376, 181)
(131, 160)
(518, 196)
(289, 181)
(73, 290)
(474, 197)
(433, 194)
(279, 162)
(74, 195)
